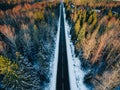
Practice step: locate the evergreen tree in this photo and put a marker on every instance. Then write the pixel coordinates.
(77, 26)
(110, 13)
(90, 19)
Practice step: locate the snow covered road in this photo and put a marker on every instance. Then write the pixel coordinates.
(75, 73)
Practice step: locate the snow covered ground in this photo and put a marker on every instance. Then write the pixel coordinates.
(55, 62)
(76, 74)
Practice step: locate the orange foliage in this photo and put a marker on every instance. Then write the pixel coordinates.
(1, 13)
(99, 50)
(27, 6)
(39, 5)
(2, 46)
(8, 31)
(16, 9)
(104, 37)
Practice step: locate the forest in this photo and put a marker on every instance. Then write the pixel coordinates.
(95, 31)
(27, 37)
(28, 30)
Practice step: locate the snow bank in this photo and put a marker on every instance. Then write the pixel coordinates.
(55, 62)
(76, 74)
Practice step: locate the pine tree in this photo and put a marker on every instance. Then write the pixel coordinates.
(84, 16)
(77, 26)
(19, 75)
(90, 19)
(39, 15)
(94, 20)
(7, 67)
(81, 35)
(110, 13)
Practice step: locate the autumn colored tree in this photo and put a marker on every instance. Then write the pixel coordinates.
(90, 19)
(84, 16)
(8, 69)
(110, 13)
(39, 15)
(77, 27)
(81, 35)
(93, 24)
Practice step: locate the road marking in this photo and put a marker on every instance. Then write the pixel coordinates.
(62, 79)
(62, 86)
(62, 59)
(62, 73)
(62, 68)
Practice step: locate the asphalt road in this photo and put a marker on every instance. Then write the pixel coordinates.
(62, 69)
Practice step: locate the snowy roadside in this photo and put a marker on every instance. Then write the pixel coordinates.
(76, 74)
(53, 65)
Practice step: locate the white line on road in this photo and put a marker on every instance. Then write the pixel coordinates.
(62, 68)
(62, 86)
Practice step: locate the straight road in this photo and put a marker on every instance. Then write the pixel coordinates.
(62, 69)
